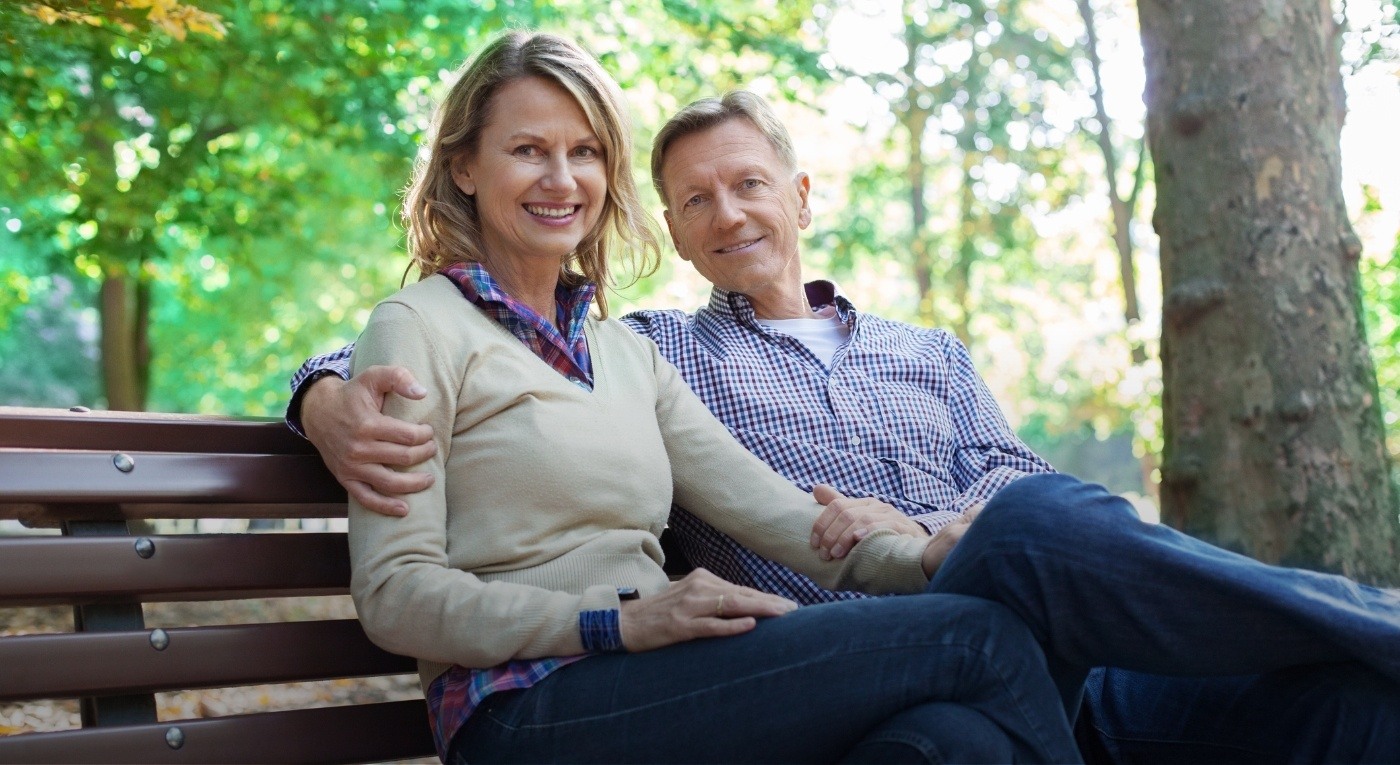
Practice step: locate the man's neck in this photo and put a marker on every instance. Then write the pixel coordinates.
(789, 302)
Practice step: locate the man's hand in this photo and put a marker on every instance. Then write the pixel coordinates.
(699, 606)
(344, 420)
(946, 539)
(846, 521)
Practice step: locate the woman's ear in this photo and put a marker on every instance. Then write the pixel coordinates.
(462, 176)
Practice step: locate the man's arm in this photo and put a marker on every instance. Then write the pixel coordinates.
(343, 419)
(987, 454)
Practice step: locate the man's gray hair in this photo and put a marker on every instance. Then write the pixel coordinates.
(712, 112)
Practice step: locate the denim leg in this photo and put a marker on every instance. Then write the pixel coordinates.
(1098, 587)
(809, 686)
(1331, 713)
(906, 738)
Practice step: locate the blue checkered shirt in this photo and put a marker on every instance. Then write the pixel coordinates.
(900, 415)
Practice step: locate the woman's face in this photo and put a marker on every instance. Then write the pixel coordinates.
(538, 174)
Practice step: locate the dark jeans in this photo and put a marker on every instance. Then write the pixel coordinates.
(924, 678)
(1316, 713)
(1280, 664)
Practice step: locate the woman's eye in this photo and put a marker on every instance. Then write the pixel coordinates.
(586, 151)
(527, 151)
(752, 183)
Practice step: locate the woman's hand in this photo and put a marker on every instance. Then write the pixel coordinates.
(847, 520)
(699, 606)
(946, 539)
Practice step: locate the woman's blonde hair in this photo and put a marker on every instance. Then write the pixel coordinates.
(443, 224)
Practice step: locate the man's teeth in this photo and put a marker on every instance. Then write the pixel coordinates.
(550, 212)
(738, 246)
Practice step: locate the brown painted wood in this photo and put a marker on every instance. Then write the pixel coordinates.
(48, 516)
(99, 664)
(33, 428)
(52, 477)
(48, 570)
(362, 733)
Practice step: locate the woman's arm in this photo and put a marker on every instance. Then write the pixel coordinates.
(725, 485)
(409, 598)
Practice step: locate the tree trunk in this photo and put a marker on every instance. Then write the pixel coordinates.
(124, 304)
(1274, 441)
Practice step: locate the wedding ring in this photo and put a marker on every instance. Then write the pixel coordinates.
(719, 608)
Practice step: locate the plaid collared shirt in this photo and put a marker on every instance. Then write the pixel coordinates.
(901, 415)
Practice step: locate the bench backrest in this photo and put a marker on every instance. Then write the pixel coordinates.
(92, 473)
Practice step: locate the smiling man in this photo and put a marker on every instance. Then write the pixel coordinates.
(1289, 665)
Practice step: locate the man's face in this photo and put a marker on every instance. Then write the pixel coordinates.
(734, 208)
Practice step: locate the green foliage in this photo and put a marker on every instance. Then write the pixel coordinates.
(251, 178)
(1380, 283)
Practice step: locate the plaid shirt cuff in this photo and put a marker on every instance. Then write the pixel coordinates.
(302, 383)
(936, 521)
(601, 631)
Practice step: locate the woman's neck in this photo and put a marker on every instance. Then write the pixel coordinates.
(531, 283)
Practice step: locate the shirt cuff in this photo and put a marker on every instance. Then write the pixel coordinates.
(293, 416)
(935, 522)
(601, 631)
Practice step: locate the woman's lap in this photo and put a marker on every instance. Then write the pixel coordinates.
(806, 686)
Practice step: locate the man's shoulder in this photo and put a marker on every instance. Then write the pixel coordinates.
(882, 326)
(654, 322)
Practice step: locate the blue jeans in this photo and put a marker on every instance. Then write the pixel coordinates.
(1099, 588)
(1315, 713)
(925, 678)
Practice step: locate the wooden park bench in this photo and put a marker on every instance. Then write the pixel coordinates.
(94, 475)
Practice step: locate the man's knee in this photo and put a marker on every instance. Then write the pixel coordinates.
(1043, 507)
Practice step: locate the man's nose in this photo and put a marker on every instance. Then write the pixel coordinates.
(728, 214)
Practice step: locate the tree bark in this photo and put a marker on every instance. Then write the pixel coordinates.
(124, 342)
(1274, 441)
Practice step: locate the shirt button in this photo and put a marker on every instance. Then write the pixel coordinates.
(855, 441)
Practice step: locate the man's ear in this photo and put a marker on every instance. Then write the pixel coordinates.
(462, 176)
(675, 240)
(804, 212)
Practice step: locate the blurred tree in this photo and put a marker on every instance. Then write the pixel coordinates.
(232, 196)
(1122, 207)
(1273, 430)
(968, 101)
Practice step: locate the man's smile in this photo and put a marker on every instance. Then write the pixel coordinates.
(739, 246)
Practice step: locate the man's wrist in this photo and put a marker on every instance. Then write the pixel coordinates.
(300, 396)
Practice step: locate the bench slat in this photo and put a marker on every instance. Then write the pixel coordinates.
(363, 733)
(35, 428)
(60, 476)
(41, 516)
(106, 663)
(54, 570)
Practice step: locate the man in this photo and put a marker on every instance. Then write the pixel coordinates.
(896, 417)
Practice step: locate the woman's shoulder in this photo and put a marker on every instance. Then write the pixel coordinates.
(431, 295)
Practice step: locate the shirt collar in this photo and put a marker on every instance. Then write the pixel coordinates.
(820, 292)
(477, 284)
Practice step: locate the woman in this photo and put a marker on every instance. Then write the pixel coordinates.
(527, 580)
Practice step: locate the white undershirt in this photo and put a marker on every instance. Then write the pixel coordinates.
(823, 334)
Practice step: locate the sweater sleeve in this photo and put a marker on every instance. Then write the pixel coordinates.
(409, 599)
(725, 485)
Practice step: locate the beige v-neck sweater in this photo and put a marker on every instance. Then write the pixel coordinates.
(548, 497)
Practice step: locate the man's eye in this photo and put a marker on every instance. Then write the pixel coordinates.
(752, 183)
